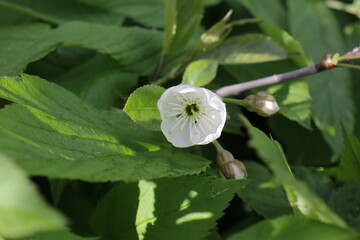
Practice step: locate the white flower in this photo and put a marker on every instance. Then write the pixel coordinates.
(270, 107)
(191, 115)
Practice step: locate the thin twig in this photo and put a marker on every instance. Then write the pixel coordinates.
(325, 64)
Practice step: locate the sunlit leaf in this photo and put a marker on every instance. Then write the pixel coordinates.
(50, 132)
(142, 106)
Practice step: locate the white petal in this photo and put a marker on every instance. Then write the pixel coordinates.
(177, 132)
(182, 133)
(270, 108)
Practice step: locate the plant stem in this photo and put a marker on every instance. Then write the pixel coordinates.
(234, 101)
(349, 66)
(236, 89)
(325, 64)
(218, 147)
(160, 67)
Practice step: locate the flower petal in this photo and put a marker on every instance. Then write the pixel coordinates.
(184, 129)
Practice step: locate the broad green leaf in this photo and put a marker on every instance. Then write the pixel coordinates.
(331, 92)
(50, 132)
(200, 72)
(320, 185)
(302, 146)
(209, 3)
(274, 31)
(346, 201)
(147, 12)
(136, 49)
(9, 16)
(188, 16)
(22, 211)
(22, 44)
(301, 198)
(99, 81)
(350, 158)
(65, 10)
(182, 208)
(295, 228)
(214, 235)
(271, 11)
(115, 215)
(293, 97)
(247, 48)
(63, 235)
(142, 106)
(261, 194)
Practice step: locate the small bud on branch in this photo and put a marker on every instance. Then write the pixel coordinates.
(329, 62)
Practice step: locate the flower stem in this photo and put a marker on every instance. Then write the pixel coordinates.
(218, 147)
(348, 66)
(234, 101)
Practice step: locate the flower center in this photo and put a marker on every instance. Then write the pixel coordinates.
(192, 109)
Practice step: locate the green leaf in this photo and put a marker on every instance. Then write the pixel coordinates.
(9, 16)
(188, 15)
(320, 185)
(142, 106)
(192, 208)
(350, 158)
(22, 211)
(201, 72)
(63, 235)
(302, 146)
(272, 12)
(99, 81)
(22, 44)
(147, 12)
(247, 48)
(290, 227)
(136, 49)
(115, 215)
(331, 92)
(277, 34)
(50, 132)
(303, 200)
(261, 194)
(346, 201)
(65, 10)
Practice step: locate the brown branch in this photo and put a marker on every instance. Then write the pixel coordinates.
(325, 64)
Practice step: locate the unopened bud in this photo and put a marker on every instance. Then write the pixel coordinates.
(263, 103)
(233, 170)
(230, 167)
